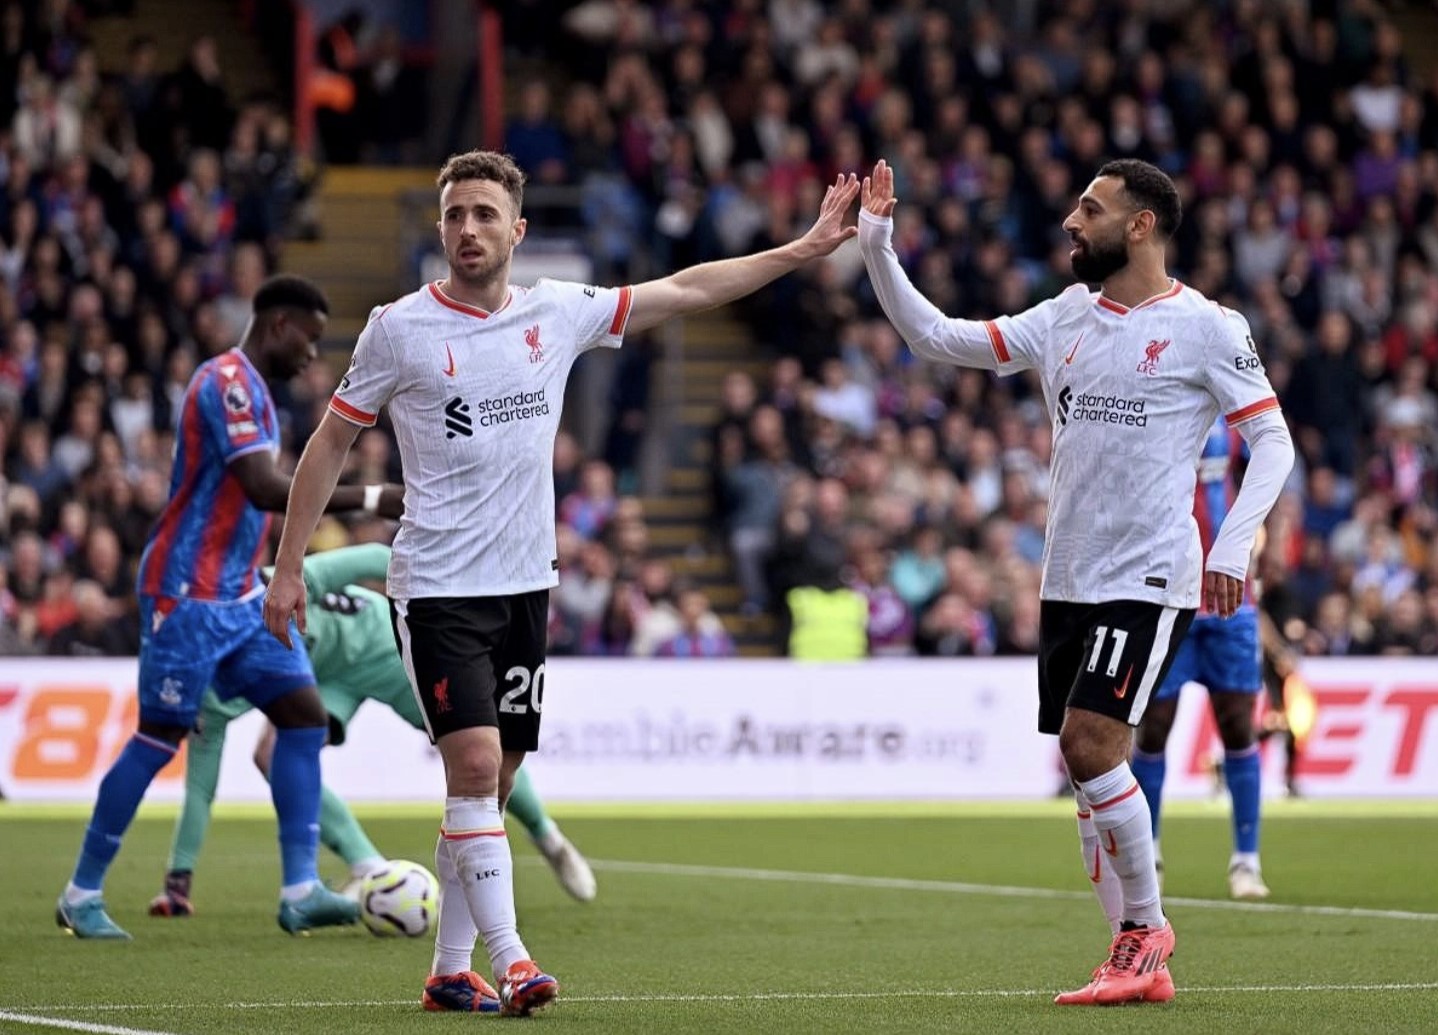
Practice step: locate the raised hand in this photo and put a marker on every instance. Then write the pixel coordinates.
(829, 231)
(878, 194)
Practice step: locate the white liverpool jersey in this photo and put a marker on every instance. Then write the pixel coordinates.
(475, 399)
(1132, 394)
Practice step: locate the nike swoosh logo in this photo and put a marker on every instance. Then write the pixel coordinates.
(1070, 357)
(449, 370)
(1097, 874)
(1111, 848)
(1121, 691)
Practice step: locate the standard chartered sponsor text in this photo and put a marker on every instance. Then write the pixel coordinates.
(1110, 409)
(502, 409)
(745, 737)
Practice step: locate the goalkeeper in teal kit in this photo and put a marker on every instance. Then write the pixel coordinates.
(351, 645)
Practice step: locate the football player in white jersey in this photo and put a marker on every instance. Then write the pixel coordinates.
(472, 370)
(1134, 375)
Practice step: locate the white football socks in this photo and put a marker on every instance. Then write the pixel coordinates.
(456, 932)
(484, 868)
(1125, 830)
(1099, 866)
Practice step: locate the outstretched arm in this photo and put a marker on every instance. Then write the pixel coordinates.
(929, 333)
(712, 284)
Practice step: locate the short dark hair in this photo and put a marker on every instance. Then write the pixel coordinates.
(485, 165)
(1149, 187)
(287, 291)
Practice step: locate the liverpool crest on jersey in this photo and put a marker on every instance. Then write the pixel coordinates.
(1151, 352)
(536, 350)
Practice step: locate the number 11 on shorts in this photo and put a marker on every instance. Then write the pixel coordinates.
(1120, 638)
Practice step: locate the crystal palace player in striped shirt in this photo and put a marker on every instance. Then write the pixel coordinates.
(1134, 375)
(200, 610)
(1224, 655)
(472, 372)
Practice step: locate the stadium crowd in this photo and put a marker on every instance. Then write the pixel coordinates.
(1307, 156)
(139, 212)
(138, 215)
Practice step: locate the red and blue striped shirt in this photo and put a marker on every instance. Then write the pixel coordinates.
(208, 541)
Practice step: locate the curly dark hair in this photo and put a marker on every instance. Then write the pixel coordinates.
(1148, 186)
(485, 165)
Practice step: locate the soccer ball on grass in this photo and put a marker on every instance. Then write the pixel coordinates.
(400, 898)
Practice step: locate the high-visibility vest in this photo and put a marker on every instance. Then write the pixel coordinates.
(829, 625)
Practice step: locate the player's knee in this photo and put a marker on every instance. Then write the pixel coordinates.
(1152, 735)
(1151, 739)
(168, 732)
(301, 709)
(1093, 744)
(474, 772)
(1236, 732)
(1233, 714)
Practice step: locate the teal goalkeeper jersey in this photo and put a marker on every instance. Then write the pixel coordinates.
(348, 633)
(349, 638)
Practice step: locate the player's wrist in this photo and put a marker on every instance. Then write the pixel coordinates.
(372, 495)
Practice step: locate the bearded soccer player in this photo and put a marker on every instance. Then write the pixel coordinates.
(200, 611)
(472, 370)
(1134, 375)
(1224, 655)
(351, 646)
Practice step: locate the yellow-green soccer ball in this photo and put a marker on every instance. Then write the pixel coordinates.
(401, 898)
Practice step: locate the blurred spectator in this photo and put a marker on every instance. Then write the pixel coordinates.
(391, 90)
(47, 126)
(533, 138)
(94, 629)
(700, 633)
(588, 509)
(136, 212)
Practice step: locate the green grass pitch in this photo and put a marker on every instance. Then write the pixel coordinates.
(944, 918)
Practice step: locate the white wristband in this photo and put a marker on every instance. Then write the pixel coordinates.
(371, 498)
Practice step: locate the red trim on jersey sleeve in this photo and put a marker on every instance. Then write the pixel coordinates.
(996, 339)
(353, 414)
(1251, 410)
(621, 311)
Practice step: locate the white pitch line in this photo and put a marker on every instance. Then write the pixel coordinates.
(714, 997)
(850, 880)
(58, 1022)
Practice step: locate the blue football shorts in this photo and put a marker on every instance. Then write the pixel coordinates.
(189, 645)
(1221, 653)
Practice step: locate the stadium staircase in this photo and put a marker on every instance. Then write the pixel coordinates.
(359, 253)
(689, 382)
(174, 24)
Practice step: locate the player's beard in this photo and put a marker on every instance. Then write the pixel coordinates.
(1099, 260)
(492, 269)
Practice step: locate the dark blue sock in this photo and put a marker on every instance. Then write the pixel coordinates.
(295, 789)
(1241, 770)
(121, 792)
(1149, 771)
